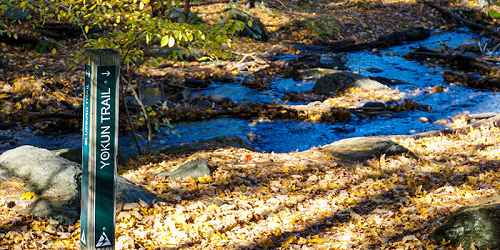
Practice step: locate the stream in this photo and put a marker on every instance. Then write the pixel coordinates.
(292, 135)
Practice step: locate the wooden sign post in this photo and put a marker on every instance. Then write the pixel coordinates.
(99, 149)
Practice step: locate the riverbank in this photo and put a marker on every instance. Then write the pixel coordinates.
(316, 198)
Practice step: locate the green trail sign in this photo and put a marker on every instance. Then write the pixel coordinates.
(99, 149)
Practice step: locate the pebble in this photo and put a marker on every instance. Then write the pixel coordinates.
(423, 119)
(437, 89)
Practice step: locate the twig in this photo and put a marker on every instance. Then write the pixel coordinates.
(127, 113)
(146, 116)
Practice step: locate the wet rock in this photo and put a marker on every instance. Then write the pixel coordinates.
(374, 70)
(363, 148)
(332, 61)
(373, 106)
(369, 84)
(55, 181)
(387, 81)
(191, 168)
(314, 73)
(423, 119)
(475, 227)
(252, 26)
(437, 89)
(336, 83)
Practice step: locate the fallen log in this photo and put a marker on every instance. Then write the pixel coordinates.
(466, 62)
(492, 32)
(473, 80)
(396, 38)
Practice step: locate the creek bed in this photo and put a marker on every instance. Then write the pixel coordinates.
(288, 135)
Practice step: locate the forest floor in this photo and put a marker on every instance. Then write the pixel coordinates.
(305, 199)
(256, 200)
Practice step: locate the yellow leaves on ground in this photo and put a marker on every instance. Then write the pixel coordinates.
(28, 196)
(301, 200)
(26, 86)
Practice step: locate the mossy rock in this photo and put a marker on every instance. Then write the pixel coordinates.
(475, 227)
(247, 24)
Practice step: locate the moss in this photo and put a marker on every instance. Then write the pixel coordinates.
(477, 226)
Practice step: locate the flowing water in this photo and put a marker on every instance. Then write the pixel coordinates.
(290, 135)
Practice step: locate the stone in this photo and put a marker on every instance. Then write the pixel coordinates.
(55, 181)
(476, 227)
(48, 175)
(423, 119)
(332, 61)
(338, 82)
(360, 149)
(374, 70)
(71, 154)
(314, 73)
(373, 106)
(369, 84)
(191, 168)
(252, 26)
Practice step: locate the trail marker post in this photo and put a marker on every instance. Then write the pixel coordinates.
(99, 149)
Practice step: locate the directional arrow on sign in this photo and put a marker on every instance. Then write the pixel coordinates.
(107, 73)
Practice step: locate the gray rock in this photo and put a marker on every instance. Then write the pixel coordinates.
(333, 61)
(363, 148)
(71, 154)
(369, 84)
(56, 181)
(314, 73)
(338, 82)
(373, 106)
(128, 192)
(374, 70)
(191, 168)
(475, 227)
(51, 177)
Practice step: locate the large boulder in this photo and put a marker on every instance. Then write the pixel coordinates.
(40, 182)
(360, 149)
(247, 24)
(476, 227)
(336, 83)
(53, 179)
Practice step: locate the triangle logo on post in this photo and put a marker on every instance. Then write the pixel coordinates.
(82, 239)
(103, 241)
